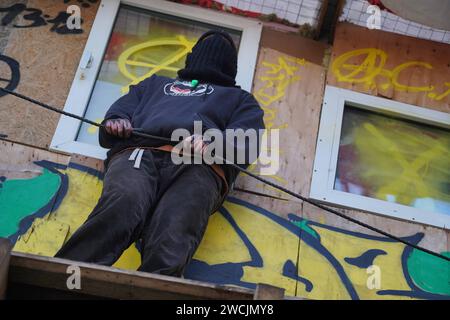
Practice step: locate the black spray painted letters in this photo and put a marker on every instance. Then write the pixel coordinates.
(13, 80)
(36, 18)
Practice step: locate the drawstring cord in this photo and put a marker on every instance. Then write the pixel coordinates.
(235, 166)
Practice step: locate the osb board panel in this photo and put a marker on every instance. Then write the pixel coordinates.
(290, 91)
(341, 260)
(92, 163)
(389, 65)
(280, 207)
(48, 61)
(293, 44)
(5, 30)
(18, 161)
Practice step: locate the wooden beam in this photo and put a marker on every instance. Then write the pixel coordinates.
(108, 282)
(294, 45)
(5, 252)
(268, 292)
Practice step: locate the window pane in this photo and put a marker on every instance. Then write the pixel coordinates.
(142, 43)
(394, 160)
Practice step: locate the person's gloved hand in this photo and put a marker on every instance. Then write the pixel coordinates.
(119, 127)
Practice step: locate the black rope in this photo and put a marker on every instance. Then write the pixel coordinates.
(68, 114)
(256, 193)
(257, 177)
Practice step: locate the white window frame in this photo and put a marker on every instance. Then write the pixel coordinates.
(325, 164)
(77, 101)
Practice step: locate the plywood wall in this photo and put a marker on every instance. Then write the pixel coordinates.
(393, 66)
(46, 58)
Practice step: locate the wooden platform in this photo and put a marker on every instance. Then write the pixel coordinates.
(37, 277)
(5, 251)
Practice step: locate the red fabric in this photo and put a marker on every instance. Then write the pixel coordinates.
(212, 4)
(379, 4)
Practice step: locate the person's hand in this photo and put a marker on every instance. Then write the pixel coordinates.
(195, 143)
(119, 127)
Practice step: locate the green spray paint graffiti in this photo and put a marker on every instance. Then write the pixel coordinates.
(21, 200)
(243, 245)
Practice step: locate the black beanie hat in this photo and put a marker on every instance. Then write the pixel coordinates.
(213, 59)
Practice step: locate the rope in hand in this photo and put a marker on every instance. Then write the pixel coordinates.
(235, 166)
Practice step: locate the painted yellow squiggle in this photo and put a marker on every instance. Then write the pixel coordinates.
(276, 80)
(277, 77)
(402, 161)
(135, 57)
(372, 67)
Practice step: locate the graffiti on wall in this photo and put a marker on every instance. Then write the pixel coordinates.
(243, 245)
(139, 62)
(394, 160)
(11, 78)
(140, 55)
(367, 66)
(277, 77)
(33, 18)
(331, 263)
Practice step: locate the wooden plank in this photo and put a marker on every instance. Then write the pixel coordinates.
(282, 208)
(397, 67)
(17, 161)
(290, 91)
(293, 44)
(268, 292)
(114, 283)
(93, 163)
(5, 253)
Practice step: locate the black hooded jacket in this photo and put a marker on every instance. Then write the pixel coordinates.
(159, 105)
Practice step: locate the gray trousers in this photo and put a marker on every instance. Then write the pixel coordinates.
(163, 206)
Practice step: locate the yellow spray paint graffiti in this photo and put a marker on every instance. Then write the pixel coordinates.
(394, 160)
(276, 80)
(277, 77)
(140, 61)
(245, 244)
(140, 56)
(413, 174)
(346, 69)
(331, 262)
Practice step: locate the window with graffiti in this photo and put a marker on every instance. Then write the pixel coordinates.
(142, 43)
(394, 160)
(384, 157)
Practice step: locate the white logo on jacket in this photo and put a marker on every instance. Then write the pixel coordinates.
(186, 89)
